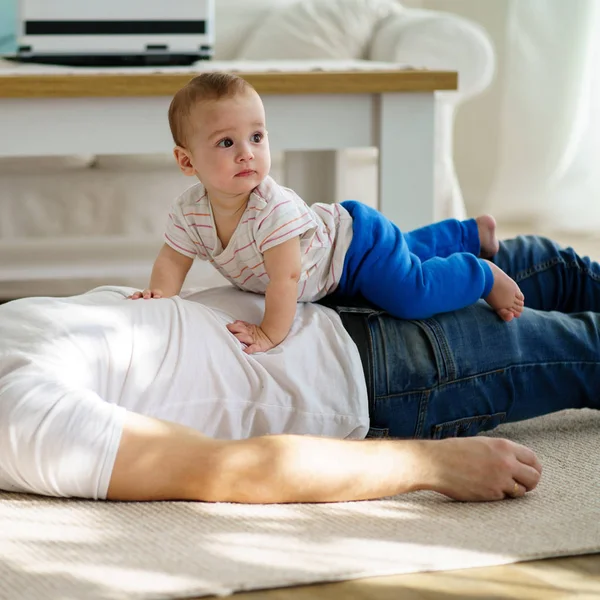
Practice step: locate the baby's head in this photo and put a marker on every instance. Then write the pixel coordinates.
(218, 124)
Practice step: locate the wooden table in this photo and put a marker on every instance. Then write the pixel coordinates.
(45, 112)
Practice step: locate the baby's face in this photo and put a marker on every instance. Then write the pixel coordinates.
(228, 144)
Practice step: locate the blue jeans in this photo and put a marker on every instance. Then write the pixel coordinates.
(467, 371)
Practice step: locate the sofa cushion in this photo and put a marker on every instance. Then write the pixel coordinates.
(334, 29)
(44, 164)
(137, 162)
(236, 19)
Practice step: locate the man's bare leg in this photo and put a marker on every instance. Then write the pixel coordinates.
(159, 460)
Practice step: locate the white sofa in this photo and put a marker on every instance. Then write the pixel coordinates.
(51, 208)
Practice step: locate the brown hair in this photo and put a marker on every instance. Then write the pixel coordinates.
(208, 86)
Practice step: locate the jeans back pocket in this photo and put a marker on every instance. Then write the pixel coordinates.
(378, 433)
(467, 427)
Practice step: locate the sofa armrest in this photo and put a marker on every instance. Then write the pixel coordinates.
(436, 40)
(318, 29)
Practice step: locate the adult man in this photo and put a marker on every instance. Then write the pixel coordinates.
(104, 398)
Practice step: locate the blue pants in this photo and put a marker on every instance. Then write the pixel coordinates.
(467, 371)
(413, 275)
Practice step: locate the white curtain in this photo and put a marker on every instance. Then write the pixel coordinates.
(528, 149)
(548, 160)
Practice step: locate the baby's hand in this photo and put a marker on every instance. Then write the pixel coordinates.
(146, 294)
(251, 335)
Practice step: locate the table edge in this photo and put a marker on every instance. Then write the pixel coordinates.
(82, 85)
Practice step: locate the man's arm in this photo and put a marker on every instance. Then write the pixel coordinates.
(159, 460)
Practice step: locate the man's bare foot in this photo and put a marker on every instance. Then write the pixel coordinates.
(506, 297)
(489, 245)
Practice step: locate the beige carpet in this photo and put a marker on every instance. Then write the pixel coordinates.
(85, 550)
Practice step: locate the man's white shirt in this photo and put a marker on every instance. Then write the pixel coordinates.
(70, 368)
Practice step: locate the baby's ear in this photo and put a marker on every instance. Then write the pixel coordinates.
(183, 158)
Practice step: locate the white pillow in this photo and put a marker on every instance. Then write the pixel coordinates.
(235, 19)
(322, 29)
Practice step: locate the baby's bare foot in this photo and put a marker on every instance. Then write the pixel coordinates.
(489, 245)
(506, 297)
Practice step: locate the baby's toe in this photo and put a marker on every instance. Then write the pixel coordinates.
(505, 314)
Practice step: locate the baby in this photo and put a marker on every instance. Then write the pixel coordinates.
(265, 239)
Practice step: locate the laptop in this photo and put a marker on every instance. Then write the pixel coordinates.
(114, 32)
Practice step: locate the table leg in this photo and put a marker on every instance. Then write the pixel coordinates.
(404, 128)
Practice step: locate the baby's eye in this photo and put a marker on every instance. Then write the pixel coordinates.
(257, 138)
(225, 143)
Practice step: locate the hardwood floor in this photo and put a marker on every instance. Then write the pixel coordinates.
(571, 577)
(550, 579)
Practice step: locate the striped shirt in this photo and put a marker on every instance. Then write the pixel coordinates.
(273, 215)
